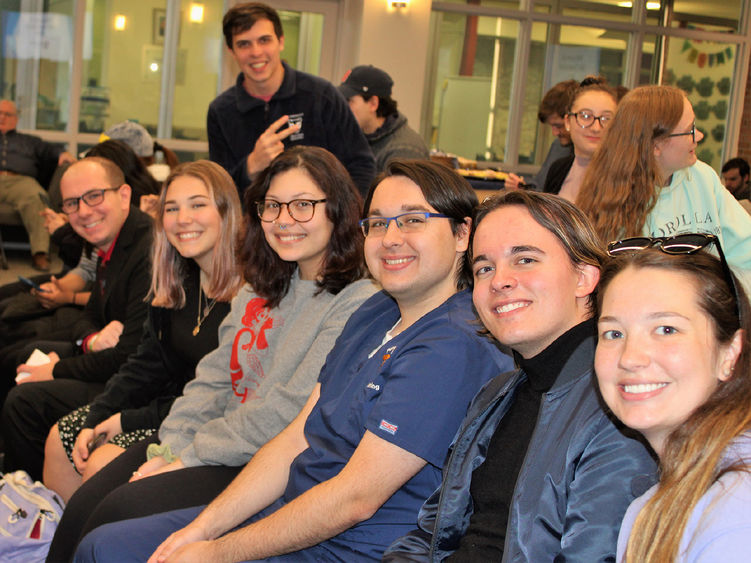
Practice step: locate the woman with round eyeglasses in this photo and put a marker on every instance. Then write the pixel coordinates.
(593, 105)
(673, 363)
(302, 259)
(646, 179)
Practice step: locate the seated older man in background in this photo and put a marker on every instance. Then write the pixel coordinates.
(22, 157)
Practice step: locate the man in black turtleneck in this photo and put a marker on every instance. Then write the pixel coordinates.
(538, 470)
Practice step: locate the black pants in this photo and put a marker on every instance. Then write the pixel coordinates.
(108, 497)
(30, 410)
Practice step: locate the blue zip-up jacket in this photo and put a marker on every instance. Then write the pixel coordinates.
(579, 475)
(236, 120)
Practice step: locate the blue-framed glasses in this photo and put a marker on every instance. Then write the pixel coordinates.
(412, 222)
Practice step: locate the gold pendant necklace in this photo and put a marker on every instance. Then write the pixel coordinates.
(202, 314)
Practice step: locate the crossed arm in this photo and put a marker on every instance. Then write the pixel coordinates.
(375, 471)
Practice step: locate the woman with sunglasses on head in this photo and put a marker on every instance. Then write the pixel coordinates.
(302, 258)
(673, 363)
(646, 179)
(592, 106)
(194, 278)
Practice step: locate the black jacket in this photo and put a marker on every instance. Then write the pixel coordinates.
(236, 120)
(147, 384)
(119, 295)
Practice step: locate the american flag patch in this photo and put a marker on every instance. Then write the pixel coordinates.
(388, 427)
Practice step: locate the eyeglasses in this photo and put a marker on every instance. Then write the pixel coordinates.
(7, 114)
(412, 222)
(688, 243)
(692, 132)
(586, 118)
(92, 198)
(301, 210)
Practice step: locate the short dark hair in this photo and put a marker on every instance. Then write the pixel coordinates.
(557, 100)
(242, 17)
(343, 262)
(445, 191)
(738, 163)
(386, 104)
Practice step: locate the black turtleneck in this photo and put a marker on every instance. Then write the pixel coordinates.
(493, 483)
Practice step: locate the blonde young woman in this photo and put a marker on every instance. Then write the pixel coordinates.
(673, 363)
(194, 277)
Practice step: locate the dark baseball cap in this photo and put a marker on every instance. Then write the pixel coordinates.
(366, 79)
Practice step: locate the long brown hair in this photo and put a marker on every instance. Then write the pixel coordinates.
(691, 461)
(618, 190)
(343, 261)
(168, 267)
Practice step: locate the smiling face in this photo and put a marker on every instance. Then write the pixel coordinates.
(258, 51)
(99, 224)
(527, 291)
(418, 269)
(304, 243)
(191, 220)
(587, 139)
(657, 357)
(675, 153)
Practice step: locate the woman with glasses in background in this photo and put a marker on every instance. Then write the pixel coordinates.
(646, 179)
(591, 109)
(302, 259)
(673, 363)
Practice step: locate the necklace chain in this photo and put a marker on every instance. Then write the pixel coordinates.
(202, 312)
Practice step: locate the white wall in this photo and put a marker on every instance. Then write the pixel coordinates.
(404, 59)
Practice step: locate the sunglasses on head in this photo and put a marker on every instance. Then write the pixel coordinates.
(688, 243)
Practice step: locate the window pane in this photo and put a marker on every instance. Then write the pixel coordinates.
(709, 15)
(37, 47)
(199, 56)
(472, 89)
(122, 63)
(705, 71)
(303, 37)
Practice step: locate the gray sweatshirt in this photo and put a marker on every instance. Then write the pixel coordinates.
(267, 363)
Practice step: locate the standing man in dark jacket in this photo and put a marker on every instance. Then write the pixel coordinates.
(538, 470)
(368, 92)
(272, 106)
(97, 202)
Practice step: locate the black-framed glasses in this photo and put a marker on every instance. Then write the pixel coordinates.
(687, 243)
(691, 132)
(301, 210)
(412, 222)
(586, 118)
(91, 198)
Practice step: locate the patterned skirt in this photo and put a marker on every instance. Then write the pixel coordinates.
(72, 423)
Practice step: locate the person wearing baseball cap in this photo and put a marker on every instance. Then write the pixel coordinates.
(368, 91)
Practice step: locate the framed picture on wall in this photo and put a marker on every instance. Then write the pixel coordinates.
(159, 26)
